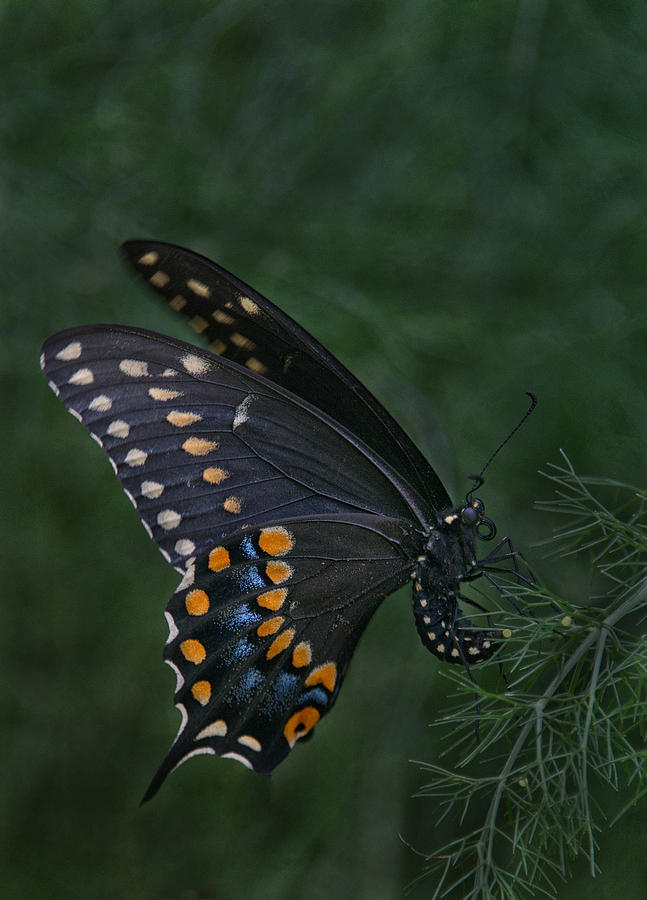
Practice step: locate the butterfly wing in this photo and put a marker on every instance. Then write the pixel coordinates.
(242, 325)
(203, 445)
(288, 529)
(262, 632)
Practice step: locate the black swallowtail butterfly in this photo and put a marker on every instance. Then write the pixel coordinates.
(290, 501)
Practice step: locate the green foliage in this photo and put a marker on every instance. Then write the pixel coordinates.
(570, 722)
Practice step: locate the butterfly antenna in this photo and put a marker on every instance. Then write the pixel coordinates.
(478, 479)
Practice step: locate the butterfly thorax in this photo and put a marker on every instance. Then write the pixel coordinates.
(450, 556)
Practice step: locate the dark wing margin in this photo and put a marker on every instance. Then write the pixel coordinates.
(262, 630)
(242, 325)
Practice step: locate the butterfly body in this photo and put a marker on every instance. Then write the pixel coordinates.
(283, 492)
(449, 560)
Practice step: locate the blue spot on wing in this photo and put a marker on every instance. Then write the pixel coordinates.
(240, 651)
(247, 546)
(242, 618)
(316, 695)
(251, 579)
(248, 683)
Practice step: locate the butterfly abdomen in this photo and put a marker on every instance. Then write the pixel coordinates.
(436, 589)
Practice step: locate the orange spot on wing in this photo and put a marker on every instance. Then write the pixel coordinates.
(280, 643)
(219, 559)
(199, 446)
(201, 691)
(197, 602)
(275, 541)
(326, 675)
(232, 505)
(302, 722)
(301, 655)
(193, 651)
(271, 626)
(278, 571)
(272, 599)
(215, 475)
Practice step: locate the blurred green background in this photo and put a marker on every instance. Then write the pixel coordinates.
(451, 196)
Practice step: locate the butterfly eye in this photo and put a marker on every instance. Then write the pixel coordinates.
(469, 515)
(472, 512)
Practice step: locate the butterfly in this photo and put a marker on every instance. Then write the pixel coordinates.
(287, 497)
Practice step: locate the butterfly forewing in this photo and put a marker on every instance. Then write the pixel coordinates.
(241, 324)
(203, 445)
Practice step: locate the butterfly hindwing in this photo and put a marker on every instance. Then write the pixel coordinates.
(262, 631)
(240, 324)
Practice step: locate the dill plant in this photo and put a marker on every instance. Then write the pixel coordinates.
(568, 722)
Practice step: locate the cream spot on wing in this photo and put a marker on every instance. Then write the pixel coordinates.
(119, 428)
(194, 365)
(217, 347)
(232, 505)
(72, 351)
(53, 387)
(185, 718)
(184, 547)
(152, 489)
(130, 497)
(199, 446)
(169, 373)
(248, 741)
(177, 303)
(136, 457)
(179, 682)
(95, 437)
(238, 758)
(189, 576)
(82, 376)
(163, 394)
(77, 415)
(101, 403)
(148, 259)
(182, 419)
(172, 628)
(224, 318)
(241, 411)
(248, 305)
(198, 752)
(198, 287)
(42, 361)
(148, 529)
(239, 340)
(198, 324)
(215, 729)
(135, 368)
(159, 279)
(256, 365)
(168, 519)
(215, 475)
